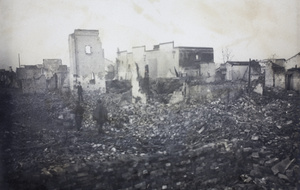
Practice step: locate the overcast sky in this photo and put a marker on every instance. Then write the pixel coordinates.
(257, 29)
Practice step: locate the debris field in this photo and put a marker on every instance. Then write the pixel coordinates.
(251, 142)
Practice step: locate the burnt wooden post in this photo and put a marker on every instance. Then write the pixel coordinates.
(147, 82)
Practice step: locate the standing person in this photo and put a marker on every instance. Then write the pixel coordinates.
(100, 115)
(79, 91)
(78, 115)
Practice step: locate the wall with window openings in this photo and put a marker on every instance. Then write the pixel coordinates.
(87, 63)
(164, 60)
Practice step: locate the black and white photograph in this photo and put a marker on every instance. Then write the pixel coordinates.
(149, 94)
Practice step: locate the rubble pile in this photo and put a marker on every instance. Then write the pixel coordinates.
(252, 143)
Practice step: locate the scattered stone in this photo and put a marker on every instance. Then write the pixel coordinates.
(247, 149)
(149, 146)
(255, 155)
(270, 162)
(281, 176)
(246, 178)
(281, 166)
(141, 185)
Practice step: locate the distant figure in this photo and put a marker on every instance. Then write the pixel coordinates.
(79, 91)
(78, 115)
(100, 115)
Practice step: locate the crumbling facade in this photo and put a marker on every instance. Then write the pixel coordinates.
(87, 64)
(32, 79)
(57, 75)
(275, 73)
(239, 70)
(166, 61)
(292, 79)
(284, 74)
(292, 75)
(293, 62)
(49, 76)
(110, 71)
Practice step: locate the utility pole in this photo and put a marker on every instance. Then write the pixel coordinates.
(19, 60)
(249, 76)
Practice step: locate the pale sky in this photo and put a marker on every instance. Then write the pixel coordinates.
(257, 29)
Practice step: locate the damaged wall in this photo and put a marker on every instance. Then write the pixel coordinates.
(29, 72)
(123, 65)
(191, 58)
(34, 85)
(51, 66)
(63, 83)
(239, 70)
(269, 75)
(55, 74)
(208, 72)
(167, 60)
(293, 79)
(274, 75)
(60, 80)
(164, 60)
(110, 71)
(212, 92)
(52, 83)
(236, 71)
(139, 59)
(293, 62)
(279, 79)
(87, 60)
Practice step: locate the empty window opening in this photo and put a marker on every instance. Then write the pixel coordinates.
(88, 49)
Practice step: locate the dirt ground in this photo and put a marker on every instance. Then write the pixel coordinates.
(250, 143)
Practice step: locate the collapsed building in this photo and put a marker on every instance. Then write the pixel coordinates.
(292, 76)
(51, 75)
(167, 61)
(239, 70)
(284, 74)
(164, 61)
(7, 78)
(274, 73)
(87, 63)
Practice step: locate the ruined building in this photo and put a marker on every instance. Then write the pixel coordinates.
(7, 78)
(51, 75)
(87, 63)
(275, 73)
(164, 61)
(283, 73)
(239, 70)
(167, 61)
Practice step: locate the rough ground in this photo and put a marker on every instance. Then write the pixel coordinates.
(251, 143)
